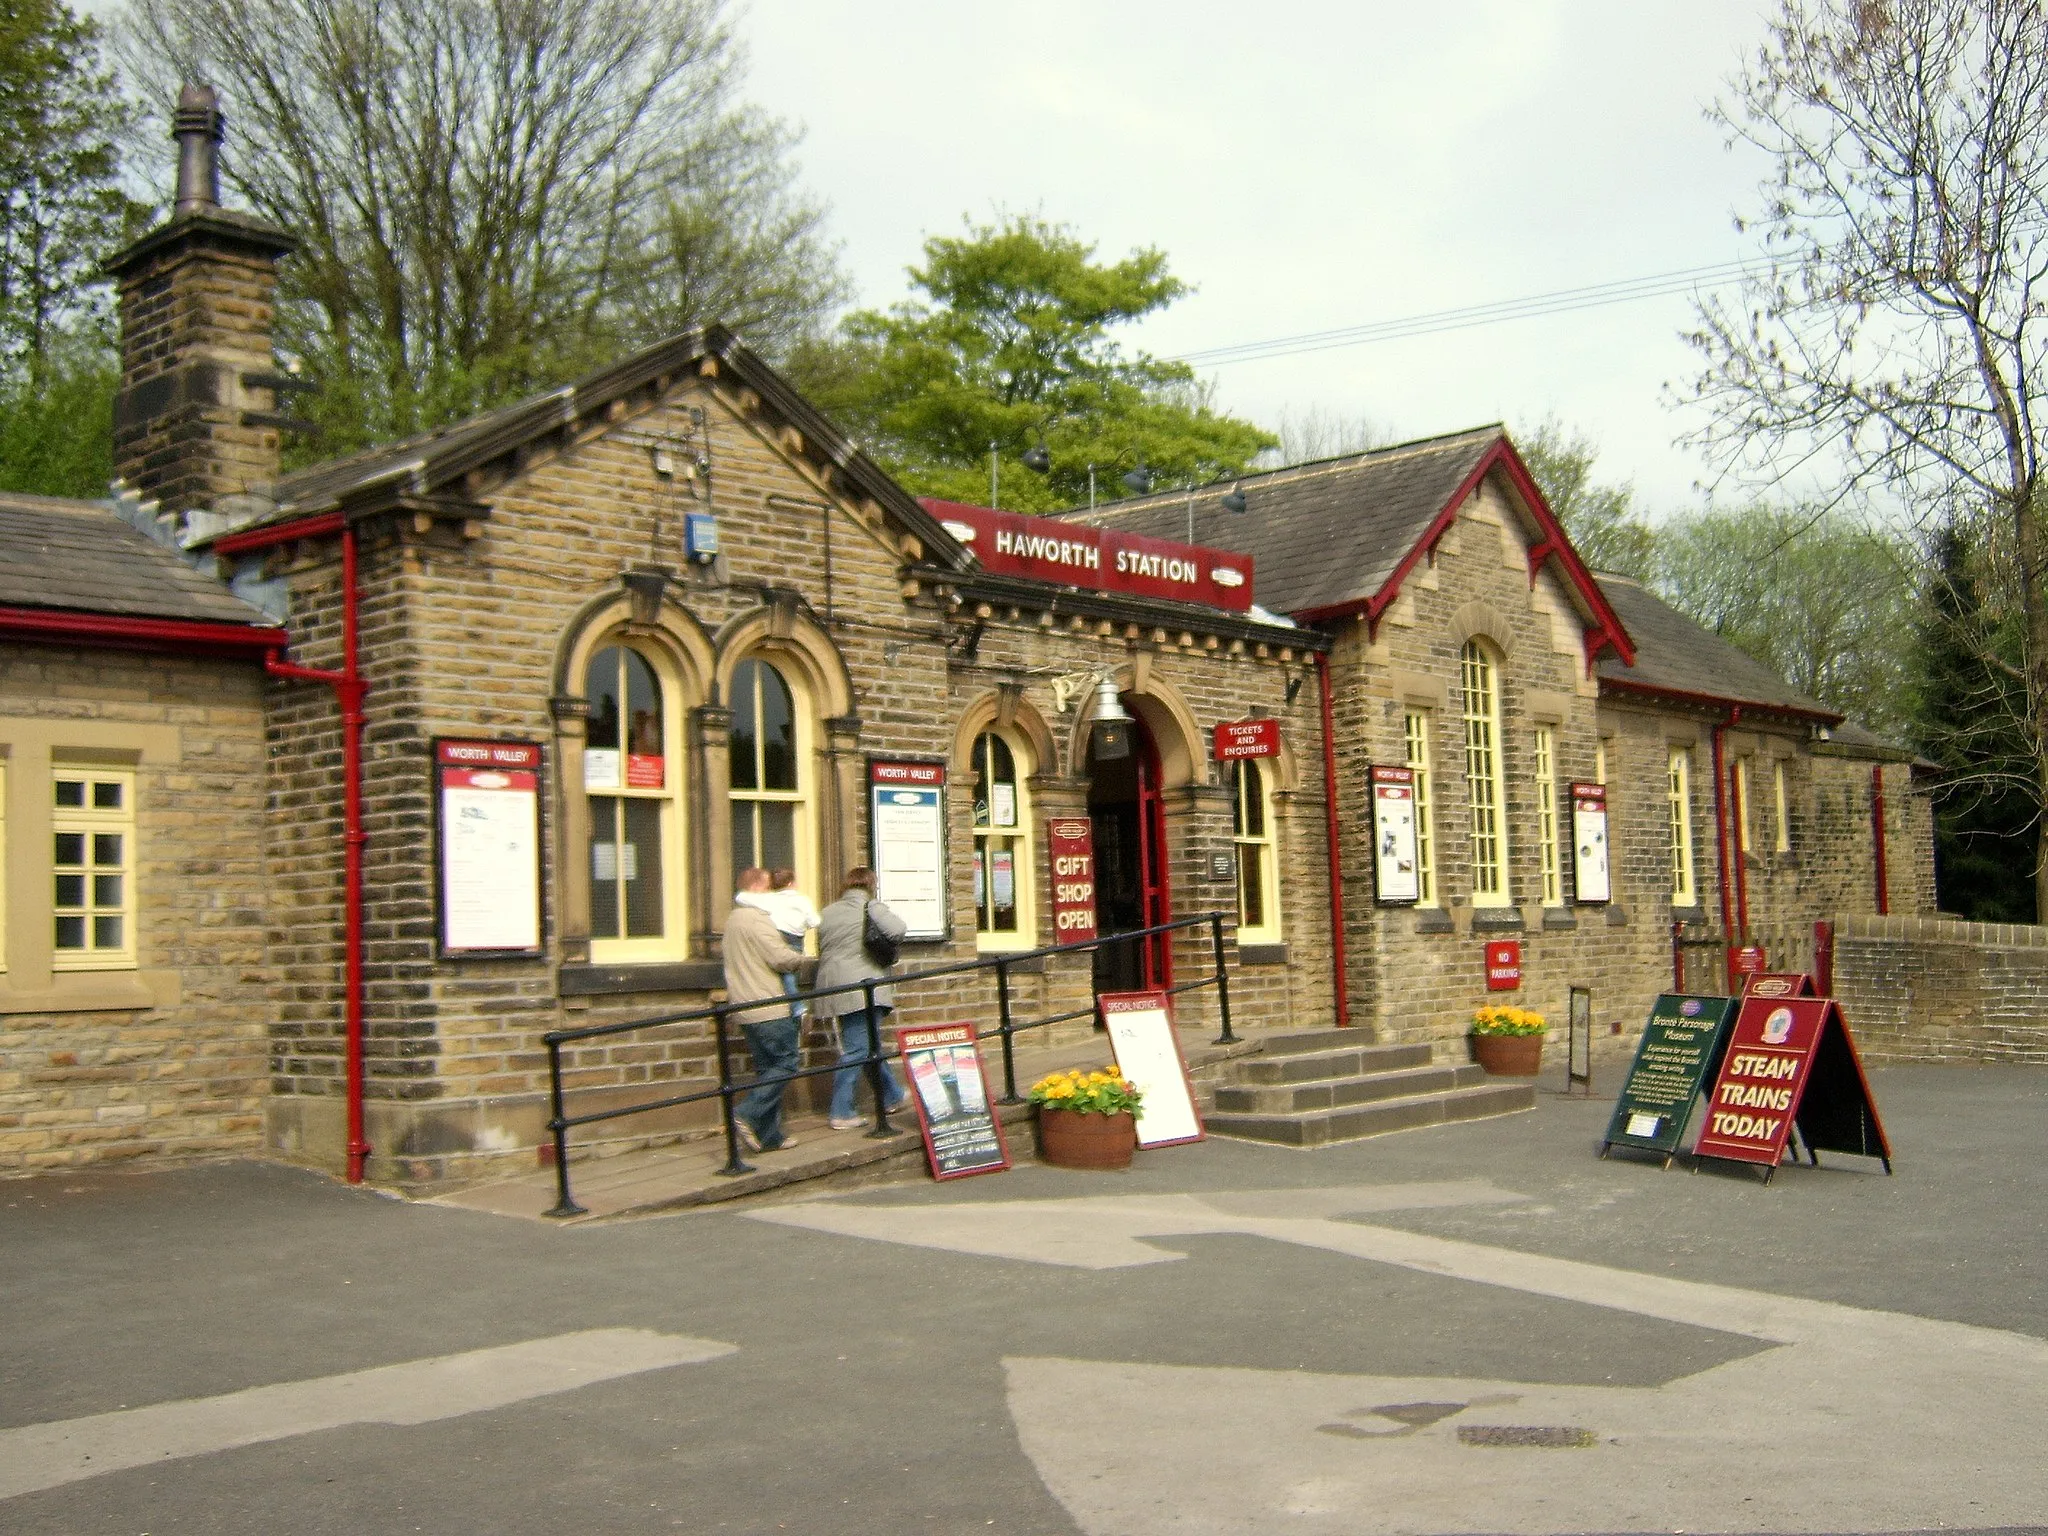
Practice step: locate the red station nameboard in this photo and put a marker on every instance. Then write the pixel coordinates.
(1077, 555)
(1247, 738)
(1070, 844)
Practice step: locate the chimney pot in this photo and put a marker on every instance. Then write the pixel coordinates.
(199, 127)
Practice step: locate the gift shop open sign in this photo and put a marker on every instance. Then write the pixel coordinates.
(1790, 1064)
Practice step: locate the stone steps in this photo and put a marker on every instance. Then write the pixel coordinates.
(1309, 1090)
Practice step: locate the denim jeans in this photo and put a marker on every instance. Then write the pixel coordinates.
(776, 1057)
(853, 1055)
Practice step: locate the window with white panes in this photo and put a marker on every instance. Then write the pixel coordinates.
(1545, 755)
(1485, 787)
(1258, 868)
(633, 775)
(770, 804)
(1002, 844)
(1679, 800)
(1416, 732)
(92, 869)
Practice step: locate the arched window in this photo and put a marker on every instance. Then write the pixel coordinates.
(1002, 844)
(1483, 779)
(770, 809)
(632, 772)
(1258, 869)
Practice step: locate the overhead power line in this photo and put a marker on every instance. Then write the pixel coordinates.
(1620, 291)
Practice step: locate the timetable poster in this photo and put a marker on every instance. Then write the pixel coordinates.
(487, 814)
(907, 843)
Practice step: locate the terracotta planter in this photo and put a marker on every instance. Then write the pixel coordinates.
(1508, 1055)
(1075, 1138)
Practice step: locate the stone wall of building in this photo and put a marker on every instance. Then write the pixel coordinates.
(167, 1057)
(1919, 988)
(484, 631)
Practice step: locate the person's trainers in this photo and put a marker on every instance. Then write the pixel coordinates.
(783, 1145)
(749, 1138)
(847, 1122)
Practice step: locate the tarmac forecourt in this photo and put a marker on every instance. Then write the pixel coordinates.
(1480, 1327)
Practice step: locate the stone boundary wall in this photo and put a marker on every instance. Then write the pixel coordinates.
(1941, 989)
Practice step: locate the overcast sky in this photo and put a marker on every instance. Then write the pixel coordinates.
(1308, 165)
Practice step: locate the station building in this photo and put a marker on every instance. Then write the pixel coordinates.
(251, 726)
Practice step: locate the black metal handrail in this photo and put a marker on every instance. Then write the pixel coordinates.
(726, 1090)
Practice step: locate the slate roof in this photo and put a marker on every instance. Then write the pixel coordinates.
(1319, 534)
(432, 464)
(81, 556)
(1676, 655)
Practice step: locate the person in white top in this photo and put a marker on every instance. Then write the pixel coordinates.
(793, 915)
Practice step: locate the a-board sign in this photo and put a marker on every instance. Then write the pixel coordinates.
(487, 836)
(1503, 965)
(1592, 880)
(1778, 984)
(1790, 1062)
(961, 1133)
(1070, 849)
(1147, 1051)
(1677, 1056)
(1396, 872)
(907, 843)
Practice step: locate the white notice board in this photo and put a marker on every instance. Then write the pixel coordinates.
(1396, 867)
(907, 843)
(1147, 1050)
(488, 817)
(1591, 880)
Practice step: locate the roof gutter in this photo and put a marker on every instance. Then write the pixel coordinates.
(1718, 702)
(140, 634)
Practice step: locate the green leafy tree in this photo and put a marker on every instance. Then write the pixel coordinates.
(494, 195)
(1969, 693)
(1893, 325)
(1011, 345)
(1822, 602)
(1601, 519)
(62, 210)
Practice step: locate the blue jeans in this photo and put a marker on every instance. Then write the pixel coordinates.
(776, 1057)
(853, 1055)
(789, 986)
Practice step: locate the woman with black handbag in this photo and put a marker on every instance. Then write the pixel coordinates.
(857, 939)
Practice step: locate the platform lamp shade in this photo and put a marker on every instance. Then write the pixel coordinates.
(1112, 731)
(1233, 500)
(1138, 481)
(1038, 460)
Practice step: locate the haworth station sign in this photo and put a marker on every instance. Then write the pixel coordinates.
(1102, 559)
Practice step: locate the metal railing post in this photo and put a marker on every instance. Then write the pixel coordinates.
(1222, 978)
(564, 1205)
(874, 1062)
(1009, 1049)
(734, 1164)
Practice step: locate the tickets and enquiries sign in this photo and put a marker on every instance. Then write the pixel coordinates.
(1147, 1051)
(961, 1133)
(1680, 1050)
(1791, 1064)
(487, 844)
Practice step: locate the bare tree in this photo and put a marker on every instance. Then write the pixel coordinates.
(1897, 322)
(494, 193)
(1317, 433)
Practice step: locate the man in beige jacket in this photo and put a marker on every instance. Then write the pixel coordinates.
(755, 957)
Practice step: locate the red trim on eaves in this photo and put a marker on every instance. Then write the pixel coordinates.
(1719, 701)
(63, 625)
(313, 527)
(1606, 629)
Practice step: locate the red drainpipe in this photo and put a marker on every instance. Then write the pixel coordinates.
(1739, 825)
(1884, 902)
(348, 689)
(1343, 994)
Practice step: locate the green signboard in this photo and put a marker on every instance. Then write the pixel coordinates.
(1680, 1050)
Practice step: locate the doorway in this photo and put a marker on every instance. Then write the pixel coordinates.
(1129, 814)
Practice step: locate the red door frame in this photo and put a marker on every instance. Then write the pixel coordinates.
(1157, 901)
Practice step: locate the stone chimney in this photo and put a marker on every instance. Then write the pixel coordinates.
(197, 416)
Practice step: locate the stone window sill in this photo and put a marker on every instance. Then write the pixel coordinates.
(622, 980)
(1261, 954)
(1497, 919)
(1433, 920)
(90, 992)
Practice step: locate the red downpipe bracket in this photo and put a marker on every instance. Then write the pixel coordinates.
(348, 689)
(1884, 898)
(1337, 962)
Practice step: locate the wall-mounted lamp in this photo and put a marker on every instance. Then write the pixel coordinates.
(1293, 687)
(1038, 460)
(1138, 481)
(1111, 734)
(1233, 500)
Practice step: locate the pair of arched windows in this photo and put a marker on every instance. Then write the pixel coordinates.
(635, 780)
